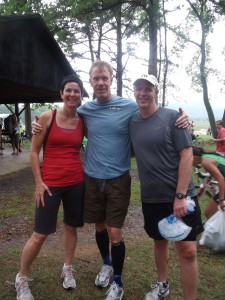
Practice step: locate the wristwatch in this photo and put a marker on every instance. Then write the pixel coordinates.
(180, 196)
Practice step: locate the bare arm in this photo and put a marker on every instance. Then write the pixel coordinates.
(184, 175)
(35, 149)
(211, 166)
(222, 139)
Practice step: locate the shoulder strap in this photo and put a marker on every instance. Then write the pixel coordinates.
(49, 129)
(84, 125)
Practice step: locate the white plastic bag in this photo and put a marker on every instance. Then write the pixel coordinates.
(214, 233)
(174, 229)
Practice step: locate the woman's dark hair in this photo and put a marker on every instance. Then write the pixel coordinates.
(197, 151)
(72, 78)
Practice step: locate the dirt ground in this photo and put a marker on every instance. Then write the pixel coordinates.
(14, 231)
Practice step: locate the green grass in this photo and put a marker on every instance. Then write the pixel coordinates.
(139, 272)
(139, 267)
(201, 124)
(135, 193)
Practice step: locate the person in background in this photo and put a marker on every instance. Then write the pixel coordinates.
(164, 159)
(215, 165)
(1, 148)
(209, 131)
(192, 126)
(220, 140)
(60, 179)
(107, 178)
(15, 135)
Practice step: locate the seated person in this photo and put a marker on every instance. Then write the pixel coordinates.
(215, 165)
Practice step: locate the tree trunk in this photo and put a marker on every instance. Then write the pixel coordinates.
(28, 120)
(119, 55)
(152, 13)
(204, 84)
(165, 65)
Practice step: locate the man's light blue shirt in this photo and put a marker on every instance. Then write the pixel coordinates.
(108, 147)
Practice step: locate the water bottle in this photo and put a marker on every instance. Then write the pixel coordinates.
(190, 205)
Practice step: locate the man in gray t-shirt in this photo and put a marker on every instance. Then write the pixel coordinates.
(164, 158)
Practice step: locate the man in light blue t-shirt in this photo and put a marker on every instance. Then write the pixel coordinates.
(107, 178)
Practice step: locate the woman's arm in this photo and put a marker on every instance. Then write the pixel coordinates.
(212, 167)
(35, 149)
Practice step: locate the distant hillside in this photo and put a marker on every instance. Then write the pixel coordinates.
(197, 111)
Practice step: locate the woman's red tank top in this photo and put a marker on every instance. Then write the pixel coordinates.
(62, 164)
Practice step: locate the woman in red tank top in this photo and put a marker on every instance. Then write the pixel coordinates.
(61, 179)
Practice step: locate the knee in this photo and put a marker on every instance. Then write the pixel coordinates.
(70, 230)
(189, 254)
(100, 226)
(37, 239)
(115, 235)
(209, 213)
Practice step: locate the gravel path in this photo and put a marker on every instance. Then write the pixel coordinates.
(14, 231)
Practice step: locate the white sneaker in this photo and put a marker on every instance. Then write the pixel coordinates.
(158, 291)
(22, 288)
(103, 277)
(69, 281)
(115, 292)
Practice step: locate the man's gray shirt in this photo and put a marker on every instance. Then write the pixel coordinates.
(157, 142)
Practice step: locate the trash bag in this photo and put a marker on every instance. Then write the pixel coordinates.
(214, 233)
(174, 229)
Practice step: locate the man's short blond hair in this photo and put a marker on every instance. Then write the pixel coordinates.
(101, 65)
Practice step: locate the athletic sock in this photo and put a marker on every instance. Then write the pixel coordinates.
(118, 280)
(102, 240)
(118, 256)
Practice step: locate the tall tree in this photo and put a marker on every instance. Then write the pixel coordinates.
(203, 11)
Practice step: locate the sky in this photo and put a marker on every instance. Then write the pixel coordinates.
(187, 97)
(193, 101)
(184, 96)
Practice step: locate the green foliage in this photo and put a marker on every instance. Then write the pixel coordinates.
(36, 109)
(20, 7)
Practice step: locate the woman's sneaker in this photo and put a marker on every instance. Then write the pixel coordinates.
(22, 288)
(115, 292)
(103, 277)
(158, 291)
(69, 281)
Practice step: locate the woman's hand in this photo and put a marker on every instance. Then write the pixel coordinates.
(41, 188)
